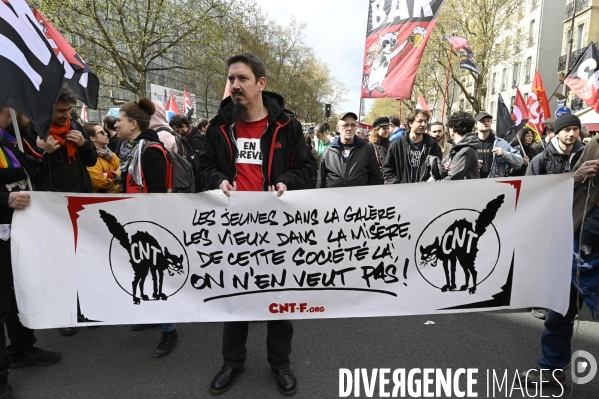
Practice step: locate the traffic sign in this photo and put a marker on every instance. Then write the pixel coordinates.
(563, 110)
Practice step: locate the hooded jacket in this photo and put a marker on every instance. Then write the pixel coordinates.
(463, 159)
(284, 155)
(397, 168)
(511, 157)
(362, 168)
(159, 124)
(553, 160)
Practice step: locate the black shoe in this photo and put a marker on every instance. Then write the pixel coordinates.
(224, 379)
(539, 313)
(286, 381)
(142, 327)
(5, 390)
(67, 331)
(167, 343)
(35, 357)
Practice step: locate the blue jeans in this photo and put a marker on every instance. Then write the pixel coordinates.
(556, 342)
(168, 327)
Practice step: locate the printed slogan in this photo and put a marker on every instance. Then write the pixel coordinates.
(328, 253)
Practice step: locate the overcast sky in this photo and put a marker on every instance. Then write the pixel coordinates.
(336, 31)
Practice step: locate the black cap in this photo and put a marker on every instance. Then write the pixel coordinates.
(344, 114)
(564, 121)
(483, 115)
(381, 121)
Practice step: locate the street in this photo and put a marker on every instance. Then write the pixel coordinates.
(114, 362)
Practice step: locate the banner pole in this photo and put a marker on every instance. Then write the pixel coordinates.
(15, 124)
(399, 102)
(446, 81)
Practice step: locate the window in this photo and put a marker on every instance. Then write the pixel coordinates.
(525, 97)
(566, 40)
(531, 33)
(492, 106)
(518, 40)
(515, 74)
(512, 101)
(493, 83)
(528, 67)
(461, 104)
(504, 79)
(579, 34)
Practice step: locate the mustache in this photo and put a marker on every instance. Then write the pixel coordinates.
(237, 92)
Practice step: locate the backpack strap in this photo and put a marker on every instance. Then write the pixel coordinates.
(169, 164)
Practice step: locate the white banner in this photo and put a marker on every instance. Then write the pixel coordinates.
(350, 252)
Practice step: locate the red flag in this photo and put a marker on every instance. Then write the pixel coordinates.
(584, 78)
(396, 36)
(538, 105)
(227, 92)
(519, 112)
(187, 105)
(77, 75)
(84, 116)
(171, 105)
(422, 103)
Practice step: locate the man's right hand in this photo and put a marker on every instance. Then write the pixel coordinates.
(49, 145)
(587, 171)
(18, 200)
(227, 187)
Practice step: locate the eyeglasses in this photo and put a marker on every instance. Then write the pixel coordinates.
(348, 125)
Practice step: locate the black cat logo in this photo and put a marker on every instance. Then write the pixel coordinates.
(459, 243)
(146, 255)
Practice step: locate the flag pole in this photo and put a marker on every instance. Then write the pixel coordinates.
(15, 125)
(447, 81)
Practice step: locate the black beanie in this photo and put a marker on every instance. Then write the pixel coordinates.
(564, 121)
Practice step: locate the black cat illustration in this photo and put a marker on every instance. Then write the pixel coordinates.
(459, 243)
(145, 255)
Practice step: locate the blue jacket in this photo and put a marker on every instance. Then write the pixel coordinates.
(396, 134)
(511, 157)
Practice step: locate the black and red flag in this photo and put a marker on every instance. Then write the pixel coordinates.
(463, 48)
(77, 75)
(584, 77)
(396, 35)
(31, 75)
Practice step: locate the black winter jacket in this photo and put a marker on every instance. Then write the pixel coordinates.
(86, 156)
(284, 157)
(362, 169)
(551, 161)
(397, 168)
(197, 140)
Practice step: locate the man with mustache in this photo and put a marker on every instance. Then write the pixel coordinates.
(252, 144)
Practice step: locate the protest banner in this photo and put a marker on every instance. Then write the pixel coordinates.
(405, 249)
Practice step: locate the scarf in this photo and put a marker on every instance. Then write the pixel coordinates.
(105, 153)
(8, 160)
(131, 162)
(59, 133)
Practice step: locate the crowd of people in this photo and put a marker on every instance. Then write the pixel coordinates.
(129, 154)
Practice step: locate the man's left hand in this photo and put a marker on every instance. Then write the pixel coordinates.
(499, 151)
(75, 137)
(280, 188)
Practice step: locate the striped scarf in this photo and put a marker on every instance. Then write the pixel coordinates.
(8, 160)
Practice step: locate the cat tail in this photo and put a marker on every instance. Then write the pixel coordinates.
(116, 229)
(487, 215)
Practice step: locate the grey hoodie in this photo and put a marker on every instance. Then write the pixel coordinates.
(463, 158)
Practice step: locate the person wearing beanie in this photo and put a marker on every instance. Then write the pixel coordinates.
(562, 152)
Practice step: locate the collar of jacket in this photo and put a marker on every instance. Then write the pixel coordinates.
(590, 152)
(274, 103)
(358, 142)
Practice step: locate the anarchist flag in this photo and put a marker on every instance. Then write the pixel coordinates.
(463, 48)
(396, 35)
(538, 106)
(506, 128)
(77, 75)
(422, 103)
(583, 79)
(31, 74)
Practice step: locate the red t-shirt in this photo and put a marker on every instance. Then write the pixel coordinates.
(249, 155)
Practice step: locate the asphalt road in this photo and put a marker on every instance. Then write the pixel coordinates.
(114, 362)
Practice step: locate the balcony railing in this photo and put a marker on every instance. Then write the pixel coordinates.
(577, 104)
(580, 5)
(573, 57)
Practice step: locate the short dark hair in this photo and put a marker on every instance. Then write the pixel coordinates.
(549, 128)
(436, 124)
(523, 132)
(109, 121)
(178, 121)
(461, 122)
(202, 122)
(89, 128)
(67, 96)
(249, 59)
(414, 114)
(320, 128)
(394, 120)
